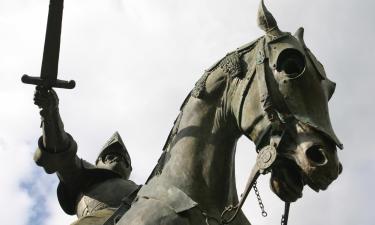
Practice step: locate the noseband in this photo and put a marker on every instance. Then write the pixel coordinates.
(267, 155)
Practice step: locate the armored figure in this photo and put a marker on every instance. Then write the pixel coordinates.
(92, 192)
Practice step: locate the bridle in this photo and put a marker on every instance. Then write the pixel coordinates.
(266, 159)
(267, 155)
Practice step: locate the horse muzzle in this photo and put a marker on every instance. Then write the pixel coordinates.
(321, 167)
(310, 159)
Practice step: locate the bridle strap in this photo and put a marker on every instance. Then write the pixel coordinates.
(126, 203)
(284, 218)
(268, 154)
(265, 161)
(277, 132)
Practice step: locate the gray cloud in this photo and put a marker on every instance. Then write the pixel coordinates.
(134, 67)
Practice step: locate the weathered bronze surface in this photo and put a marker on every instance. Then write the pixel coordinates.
(272, 90)
(50, 63)
(93, 192)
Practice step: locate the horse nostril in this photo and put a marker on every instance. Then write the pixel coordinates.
(316, 155)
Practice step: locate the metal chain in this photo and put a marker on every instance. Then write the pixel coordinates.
(260, 202)
(283, 220)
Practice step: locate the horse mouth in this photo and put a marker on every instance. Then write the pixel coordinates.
(317, 184)
(287, 181)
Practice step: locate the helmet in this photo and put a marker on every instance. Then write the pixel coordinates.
(115, 145)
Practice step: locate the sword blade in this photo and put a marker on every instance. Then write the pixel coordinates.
(50, 62)
(51, 52)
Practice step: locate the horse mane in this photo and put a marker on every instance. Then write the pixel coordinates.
(198, 92)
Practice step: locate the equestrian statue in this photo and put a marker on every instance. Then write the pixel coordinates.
(273, 90)
(92, 192)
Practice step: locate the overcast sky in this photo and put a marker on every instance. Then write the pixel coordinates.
(134, 62)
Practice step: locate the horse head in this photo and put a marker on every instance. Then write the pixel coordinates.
(275, 92)
(279, 98)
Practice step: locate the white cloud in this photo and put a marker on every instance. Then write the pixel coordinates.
(15, 166)
(135, 61)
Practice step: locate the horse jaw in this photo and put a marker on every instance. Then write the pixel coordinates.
(311, 159)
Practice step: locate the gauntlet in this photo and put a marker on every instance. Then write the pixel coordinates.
(55, 139)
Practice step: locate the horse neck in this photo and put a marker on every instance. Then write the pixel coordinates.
(200, 152)
(202, 155)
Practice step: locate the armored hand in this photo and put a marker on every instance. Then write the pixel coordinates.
(47, 100)
(55, 139)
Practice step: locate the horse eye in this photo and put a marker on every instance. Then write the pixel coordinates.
(292, 62)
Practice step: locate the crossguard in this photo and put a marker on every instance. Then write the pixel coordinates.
(48, 84)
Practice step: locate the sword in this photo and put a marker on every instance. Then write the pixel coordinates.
(50, 62)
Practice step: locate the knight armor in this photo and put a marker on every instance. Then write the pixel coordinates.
(90, 192)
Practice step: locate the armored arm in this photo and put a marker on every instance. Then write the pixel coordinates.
(56, 148)
(55, 139)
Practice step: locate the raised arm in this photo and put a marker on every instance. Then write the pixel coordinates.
(55, 139)
(56, 148)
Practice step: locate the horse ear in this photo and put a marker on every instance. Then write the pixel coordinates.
(300, 34)
(265, 19)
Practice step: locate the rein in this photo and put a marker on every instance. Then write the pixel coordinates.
(267, 155)
(264, 162)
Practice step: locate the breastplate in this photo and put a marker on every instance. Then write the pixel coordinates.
(107, 194)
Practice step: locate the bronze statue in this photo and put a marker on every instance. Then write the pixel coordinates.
(272, 90)
(93, 192)
(97, 193)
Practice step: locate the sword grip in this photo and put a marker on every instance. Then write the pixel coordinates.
(40, 82)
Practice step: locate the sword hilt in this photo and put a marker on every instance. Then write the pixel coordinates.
(48, 84)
